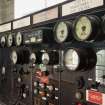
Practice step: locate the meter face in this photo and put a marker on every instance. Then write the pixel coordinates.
(14, 57)
(71, 59)
(83, 28)
(18, 39)
(2, 40)
(33, 57)
(61, 32)
(100, 67)
(9, 40)
(45, 58)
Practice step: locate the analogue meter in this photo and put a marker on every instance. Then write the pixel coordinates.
(79, 59)
(50, 58)
(62, 31)
(21, 56)
(38, 57)
(45, 58)
(86, 28)
(18, 39)
(3, 41)
(33, 57)
(100, 66)
(14, 57)
(72, 59)
(9, 40)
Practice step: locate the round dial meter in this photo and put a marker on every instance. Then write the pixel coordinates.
(3, 41)
(61, 31)
(14, 57)
(45, 58)
(33, 57)
(9, 40)
(18, 40)
(85, 28)
(71, 59)
(79, 59)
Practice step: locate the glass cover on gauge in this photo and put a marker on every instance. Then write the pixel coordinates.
(45, 58)
(82, 28)
(71, 59)
(3, 41)
(100, 66)
(61, 32)
(14, 57)
(33, 57)
(18, 39)
(9, 40)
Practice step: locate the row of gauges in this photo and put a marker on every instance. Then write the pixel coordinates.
(25, 56)
(74, 59)
(84, 28)
(9, 40)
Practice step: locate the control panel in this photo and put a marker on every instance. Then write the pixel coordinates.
(56, 57)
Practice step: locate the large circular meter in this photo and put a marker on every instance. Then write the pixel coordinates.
(50, 58)
(18, 39)
(62, 31)
(14, 57)
(86, 28)
(3, 41)
(9, 40)
(45, 58)
(79, 59)
(32, 57)
(71, 59)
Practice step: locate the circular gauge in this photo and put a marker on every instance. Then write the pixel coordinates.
(45, 58)
(9, 40)
(3, 41)
(33, 57)
(100, 66)
(3, 70)
(86, 28)
(61, 31)
(79, 59)
(18, 40)
(72, 59)
(14, 57)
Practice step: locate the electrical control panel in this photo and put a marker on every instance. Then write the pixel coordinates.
(56, 57)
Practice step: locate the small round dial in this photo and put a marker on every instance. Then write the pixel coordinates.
(14, 57)
(71, 59)
(45, 58)
(86, 28)
(18, 40)
(33, 57)
(61, 31)
(9, 40)
(3, 41)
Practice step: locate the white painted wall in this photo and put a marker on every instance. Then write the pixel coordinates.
(24, 7)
